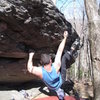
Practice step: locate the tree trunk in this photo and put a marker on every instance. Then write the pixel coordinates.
(94, 37)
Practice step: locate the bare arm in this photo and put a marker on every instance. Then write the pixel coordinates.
(57, 62)
(33, 69)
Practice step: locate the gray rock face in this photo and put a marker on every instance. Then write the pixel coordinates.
(29, 24)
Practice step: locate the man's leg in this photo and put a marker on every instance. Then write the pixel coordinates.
(60, 94)
(65, 64)
(69, 58)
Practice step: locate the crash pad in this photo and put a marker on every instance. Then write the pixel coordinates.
(55, 98)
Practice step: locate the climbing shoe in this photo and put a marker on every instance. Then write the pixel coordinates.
(76, 45)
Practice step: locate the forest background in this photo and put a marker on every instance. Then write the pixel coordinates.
(84, 15)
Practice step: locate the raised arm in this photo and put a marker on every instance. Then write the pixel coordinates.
(33, 69)
(57, 62)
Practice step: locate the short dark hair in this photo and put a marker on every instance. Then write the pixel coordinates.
(45, 59)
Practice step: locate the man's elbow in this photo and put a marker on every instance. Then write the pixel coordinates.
(59, 65)
(29, 69)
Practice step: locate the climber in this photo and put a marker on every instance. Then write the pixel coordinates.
(50, 71)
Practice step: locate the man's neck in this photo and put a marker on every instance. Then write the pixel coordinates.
(48, 68)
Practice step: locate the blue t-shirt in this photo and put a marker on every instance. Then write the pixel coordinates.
(52, 79)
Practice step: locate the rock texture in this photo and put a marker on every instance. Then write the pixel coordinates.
(29, 24)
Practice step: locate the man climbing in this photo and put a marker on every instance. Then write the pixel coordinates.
(50, 72)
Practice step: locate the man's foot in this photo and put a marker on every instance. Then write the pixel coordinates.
(76, 45)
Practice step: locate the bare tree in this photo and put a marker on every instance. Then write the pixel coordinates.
(94, 38)
(99, 9)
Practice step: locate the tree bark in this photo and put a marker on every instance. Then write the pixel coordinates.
(94, 37)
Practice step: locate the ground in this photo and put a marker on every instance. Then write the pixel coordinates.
(34, 90)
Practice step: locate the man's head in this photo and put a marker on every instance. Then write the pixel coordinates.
(45, 59)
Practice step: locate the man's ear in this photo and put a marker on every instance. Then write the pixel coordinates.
(50, 60)
(40, 62)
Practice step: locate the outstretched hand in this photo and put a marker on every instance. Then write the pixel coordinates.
(65, 34)
(31, 54)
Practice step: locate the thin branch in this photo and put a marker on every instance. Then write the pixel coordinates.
(65, 4)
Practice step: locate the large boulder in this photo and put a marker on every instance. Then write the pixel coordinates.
(29, 24)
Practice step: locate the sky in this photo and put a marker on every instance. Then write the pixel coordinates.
(72, 8)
